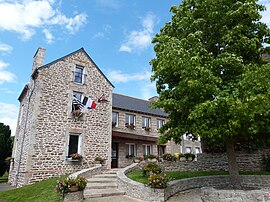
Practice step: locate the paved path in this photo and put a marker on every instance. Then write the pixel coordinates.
(5, 187)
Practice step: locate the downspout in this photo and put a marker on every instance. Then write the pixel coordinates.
(34, 76)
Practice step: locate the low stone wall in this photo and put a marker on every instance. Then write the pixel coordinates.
(215, 195)
(142, 192)
(135, 189)
(89, 172)
(246, 161)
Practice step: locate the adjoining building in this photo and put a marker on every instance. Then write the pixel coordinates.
(53, 122)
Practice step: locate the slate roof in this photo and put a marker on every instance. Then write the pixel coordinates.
(135, 105)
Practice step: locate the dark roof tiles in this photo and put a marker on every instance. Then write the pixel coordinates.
(135, 104)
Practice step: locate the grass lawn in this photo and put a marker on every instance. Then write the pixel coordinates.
(43, 191)
(4, 178)
(138, 175)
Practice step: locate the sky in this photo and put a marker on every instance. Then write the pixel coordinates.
(116, 34)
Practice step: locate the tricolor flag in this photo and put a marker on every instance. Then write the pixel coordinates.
(89, 103)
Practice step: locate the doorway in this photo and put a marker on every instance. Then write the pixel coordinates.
(114, 155)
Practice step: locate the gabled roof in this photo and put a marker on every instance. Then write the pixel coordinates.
(132, 104)
(79, 50)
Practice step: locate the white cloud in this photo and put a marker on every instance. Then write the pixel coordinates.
(120, 77)
(48, 35)
(148, 90)
(28, 15)
(8, 115)
(139, 40)
(106, 30)
(5, 76)
(5, 48)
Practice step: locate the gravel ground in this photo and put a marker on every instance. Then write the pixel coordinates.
(192, 195)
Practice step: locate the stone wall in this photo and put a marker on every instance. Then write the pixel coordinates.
(246, 161)
(42, 137)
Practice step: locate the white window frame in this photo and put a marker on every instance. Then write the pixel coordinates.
(188, 148)
(79, 142)
(145, 150)
(160, 123)
(129, 118)
(117, 118)
(130, 148)
(146, 122)
(199, 150)
(83, 74)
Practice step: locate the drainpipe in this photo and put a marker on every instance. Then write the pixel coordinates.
(34, 75)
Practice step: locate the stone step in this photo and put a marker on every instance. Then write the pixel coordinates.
(101, 180)
(101, 185)
(95, 193)
(105, 176)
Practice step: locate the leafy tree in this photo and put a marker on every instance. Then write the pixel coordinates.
(5, 147)
(210, 76)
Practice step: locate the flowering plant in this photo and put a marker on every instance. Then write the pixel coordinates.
(65, 185)
(158, 181)
(151, 168)
(76, 156)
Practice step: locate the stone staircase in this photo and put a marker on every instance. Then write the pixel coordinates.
(102, 185)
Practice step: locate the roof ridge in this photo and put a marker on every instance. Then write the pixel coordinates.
(132, 97)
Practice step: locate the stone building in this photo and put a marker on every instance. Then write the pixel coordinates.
(47, 133)
(49, 129)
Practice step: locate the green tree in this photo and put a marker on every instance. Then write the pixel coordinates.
(5, 147)
(210, 76)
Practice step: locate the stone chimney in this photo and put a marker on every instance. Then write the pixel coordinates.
(38, 58)
(153, 99)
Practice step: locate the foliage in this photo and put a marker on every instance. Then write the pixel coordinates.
(64, 185)
(150, 156)
(37, 192)
(169, 157)
(205, 70)
(4, 178)
(130, 156)
(151, 168)
(188, 155)
(76, 156)
(138, 158)
(158, 180)
(5, 147)
(266, 162)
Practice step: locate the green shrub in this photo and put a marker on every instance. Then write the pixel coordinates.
(169, 157)
(158, 181)
(151, 168)
(150, 156)
(64, 185)
(187, 155)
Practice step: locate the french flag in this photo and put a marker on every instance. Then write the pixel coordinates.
(89, 103)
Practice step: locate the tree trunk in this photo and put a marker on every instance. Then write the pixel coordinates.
(232, 164)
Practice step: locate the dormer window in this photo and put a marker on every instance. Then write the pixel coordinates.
(79, 74)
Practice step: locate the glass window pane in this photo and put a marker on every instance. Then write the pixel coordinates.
(78, 74)
(73, 144)
(114, 117)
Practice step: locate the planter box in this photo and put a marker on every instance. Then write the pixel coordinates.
(73, 196)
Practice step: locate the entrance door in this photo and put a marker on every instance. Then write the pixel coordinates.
(114, 155)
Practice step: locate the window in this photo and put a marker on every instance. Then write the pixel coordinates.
(188, 150)
(79, 74)
(115, 119)
(74, 144)
(160, 123)
(147, 149)
(131, 149)
(130, 119)
(197, 150)
(146, 121)
(78, 95)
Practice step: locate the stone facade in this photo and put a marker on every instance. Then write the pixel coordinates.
(246, 161)
(45, 121)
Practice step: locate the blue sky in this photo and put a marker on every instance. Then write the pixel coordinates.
(116, 34)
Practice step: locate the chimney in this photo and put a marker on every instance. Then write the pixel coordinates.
(38, 58)
(153, 99)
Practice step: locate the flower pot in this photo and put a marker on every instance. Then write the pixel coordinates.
(73, 188)
(73, 196)
(182, 159)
